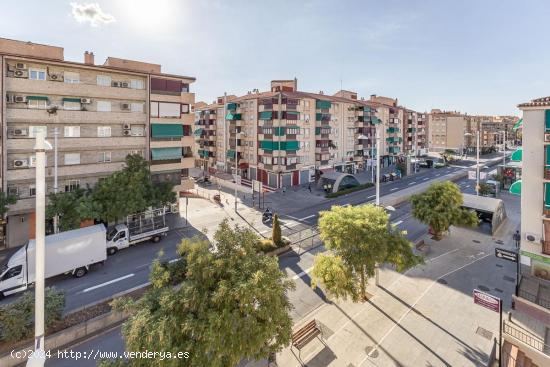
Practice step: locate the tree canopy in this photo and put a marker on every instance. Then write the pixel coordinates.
(358, 238)
(5, 201)
(231, 304)
(440, 207)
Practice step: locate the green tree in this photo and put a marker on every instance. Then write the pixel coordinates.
(71, 208)
(484, 189)
(358, 238)
(232, 304)
(440, 207)
(5, 201)
(276, 235)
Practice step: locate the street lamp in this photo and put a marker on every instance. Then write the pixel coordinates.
(477, 159)
(363, 137)
(38, 358)
(237, 134)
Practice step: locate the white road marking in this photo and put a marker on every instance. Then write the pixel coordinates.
(395, 188)
(397, 223)
(372, 196)
(107, 283)
(426, 179)
(414, 305)
(439, 174)
(301, 274)
(412, 183)
(309, 216)
(467, 186)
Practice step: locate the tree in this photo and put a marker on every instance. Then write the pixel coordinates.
(484, 189)
(5, 201)
(71, 208)
(358, 238)
(276, 235)
(232, 304)
(440, 207)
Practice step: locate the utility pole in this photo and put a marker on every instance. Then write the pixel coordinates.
(38, 357)
(504, 151)
(225, 131)
(55, 186)
(377, 166)
(477, 162)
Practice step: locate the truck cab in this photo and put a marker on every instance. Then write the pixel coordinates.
(13, 274)
(117, 238)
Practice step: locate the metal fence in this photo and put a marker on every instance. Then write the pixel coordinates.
(525, 337)
(541, 301)
(305, 239)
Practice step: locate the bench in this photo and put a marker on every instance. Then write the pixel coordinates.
(305, 334)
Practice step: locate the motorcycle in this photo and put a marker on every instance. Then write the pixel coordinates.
(267, 216)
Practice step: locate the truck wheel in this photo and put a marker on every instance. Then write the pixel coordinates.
(111, 250)
(156, 239)
(1, 296)
(80, 272)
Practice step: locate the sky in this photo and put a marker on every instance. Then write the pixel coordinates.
(474, 56)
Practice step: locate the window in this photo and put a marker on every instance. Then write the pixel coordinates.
(32, 190)
(37, 74)
(13, 272)
(184, 88)
(137, 152)
(33, 130)
(70, 105)
(104, 157)
(71, 78)
(72, 185)
(72, 131)
(37, 103)
(103, 131)
(184, 108)
(154, 109)
(267, 130)
(137, 107)
(72, 158)
(137, 130)
(104, 106)
(13, 190)
(266, 160)
(165, 109)
(104, 80)
(136, 84)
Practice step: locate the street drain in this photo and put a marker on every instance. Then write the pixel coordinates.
(476, 241)
(499, 290)
(484, 333)
(509, 279)
(483, 288)
(442, 281)
(498, 265)
(499, 242)
(371, 352)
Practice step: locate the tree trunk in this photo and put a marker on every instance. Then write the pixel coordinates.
(363, 291)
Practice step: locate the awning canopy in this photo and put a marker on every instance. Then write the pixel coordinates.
(163, 154)
(198, 132)
(518, 124)
(71, 99)
(38, 98)
(517, 155)
(515, 188)
(166, 130)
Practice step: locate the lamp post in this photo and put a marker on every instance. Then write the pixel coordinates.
(38, 357)
(477, 159)
(55, 187)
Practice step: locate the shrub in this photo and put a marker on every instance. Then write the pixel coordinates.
(17, 318)
(350, 190)
(265, 245)
(276, 235)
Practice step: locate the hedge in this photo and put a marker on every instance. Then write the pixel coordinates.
(17, 318)
(347, 191)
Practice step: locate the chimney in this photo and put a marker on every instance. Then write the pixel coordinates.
(89, 58)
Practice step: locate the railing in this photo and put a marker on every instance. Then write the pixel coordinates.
(524, 337)
(543, 302)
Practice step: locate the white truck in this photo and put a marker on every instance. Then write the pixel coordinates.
(67, 252)
(149, 225)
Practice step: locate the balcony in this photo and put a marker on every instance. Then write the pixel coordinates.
(516, 333)
(30, 115)
(535, 290)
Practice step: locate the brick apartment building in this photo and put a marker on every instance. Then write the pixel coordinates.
(100, 113)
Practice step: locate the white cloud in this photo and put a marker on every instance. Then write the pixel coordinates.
(91, 13)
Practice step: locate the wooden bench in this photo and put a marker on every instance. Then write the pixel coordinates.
(305, 334)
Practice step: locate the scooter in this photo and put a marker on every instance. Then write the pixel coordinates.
(267, 216)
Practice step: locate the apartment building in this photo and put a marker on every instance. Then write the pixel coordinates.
(98, 114)
(447, 131)
(492, 129)
(527, 330)
(415, 127)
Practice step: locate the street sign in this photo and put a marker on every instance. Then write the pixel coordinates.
(237, 179)
(257, 186)
(482, 175)
(471, 175)
(505, 254)
(486, 300)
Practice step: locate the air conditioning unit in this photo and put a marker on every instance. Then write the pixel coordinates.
(20, 163)
(19, 132)
(85, 100)
(139, 132)
(115, 84)
(125, 106)
(546, 137)
(20, 66)
(21, 74)
(126, 132)
(125, 84)
(20, 99)
(532, 237)
(126, 126)
(56, 77)
(10, 98)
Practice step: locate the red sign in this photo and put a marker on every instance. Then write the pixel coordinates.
(486, 300)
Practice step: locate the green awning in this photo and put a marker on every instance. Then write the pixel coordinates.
(163, 154)
(233, 116)
(515, 188)
(69, 99)
(230, 153)
(294, 113)
(517, 155)
(547, 195)
(268, 145)
(38, 98)
(375, 120)
(166, 131)
(266, 115)
(290, 145)
(518, 124)
(198, 132)
(280, 131)
(322, 105)
(547, 120)
(547, 159)
(232, 106)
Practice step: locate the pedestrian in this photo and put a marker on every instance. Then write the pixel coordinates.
(309, 187)
(284, 190)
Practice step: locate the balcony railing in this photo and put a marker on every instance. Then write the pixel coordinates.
(525, 337)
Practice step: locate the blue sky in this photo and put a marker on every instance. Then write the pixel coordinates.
(475, 56)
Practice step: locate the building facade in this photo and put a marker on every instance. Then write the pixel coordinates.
(98, 114)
